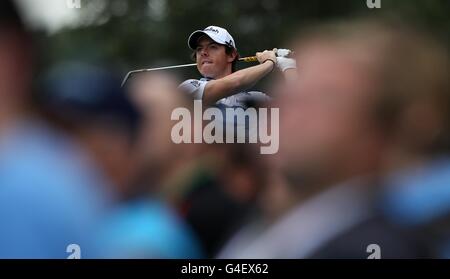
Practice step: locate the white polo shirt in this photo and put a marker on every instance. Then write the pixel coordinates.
(196, 87)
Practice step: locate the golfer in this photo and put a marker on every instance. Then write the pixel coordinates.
(216, 56)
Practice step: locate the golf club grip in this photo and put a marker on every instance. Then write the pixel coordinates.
(249, 59)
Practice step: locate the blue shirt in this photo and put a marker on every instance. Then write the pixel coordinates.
(50, 195)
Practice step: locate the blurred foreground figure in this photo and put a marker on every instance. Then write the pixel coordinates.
(212, 186)
(51, 194)
(364, 142)
(88, 102)
(145, 224)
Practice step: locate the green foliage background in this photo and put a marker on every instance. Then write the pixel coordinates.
(143, 33)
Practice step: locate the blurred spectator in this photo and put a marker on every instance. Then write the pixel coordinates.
(223, 194)
(88, 102)
(417, 164)
(370, 96)
(51, 194)
(156, 96)
(212, 186)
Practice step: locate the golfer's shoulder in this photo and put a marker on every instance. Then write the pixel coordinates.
(192, 85)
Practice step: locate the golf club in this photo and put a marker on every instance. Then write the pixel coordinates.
(279, 52)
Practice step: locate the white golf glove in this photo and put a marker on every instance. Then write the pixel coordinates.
(282, 52)
(284, 63)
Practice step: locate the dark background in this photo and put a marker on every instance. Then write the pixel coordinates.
(139, 34)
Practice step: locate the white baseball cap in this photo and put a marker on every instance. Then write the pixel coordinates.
(217, 34)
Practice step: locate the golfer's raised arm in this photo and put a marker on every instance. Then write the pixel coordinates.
(240, 80)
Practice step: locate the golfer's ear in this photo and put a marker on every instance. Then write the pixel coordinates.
(232, 56)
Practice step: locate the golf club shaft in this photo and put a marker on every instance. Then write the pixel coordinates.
(244, 59)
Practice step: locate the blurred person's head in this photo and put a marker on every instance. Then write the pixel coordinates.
(89, 103)
(156, 95)
(362, 87)
(15, 63)
(214, 52)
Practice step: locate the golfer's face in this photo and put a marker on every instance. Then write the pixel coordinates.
(212, 60)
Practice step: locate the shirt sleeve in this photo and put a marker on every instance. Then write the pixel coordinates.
(194, 88)
(258, 96)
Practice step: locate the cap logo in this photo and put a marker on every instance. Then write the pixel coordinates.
(229, 43)
(195, 83)
(212, 29)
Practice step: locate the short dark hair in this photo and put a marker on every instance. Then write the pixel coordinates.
(228, 50)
